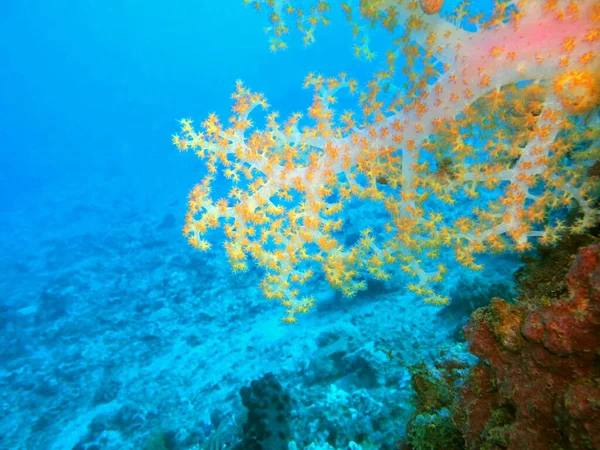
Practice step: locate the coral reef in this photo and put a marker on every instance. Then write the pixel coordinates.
(269, 408)
(431, 426)
(541, 280)
(538, 383)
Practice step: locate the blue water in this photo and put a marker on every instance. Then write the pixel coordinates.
(112, 329)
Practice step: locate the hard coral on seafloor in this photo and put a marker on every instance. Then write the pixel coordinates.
(538, 383)
(269, 408)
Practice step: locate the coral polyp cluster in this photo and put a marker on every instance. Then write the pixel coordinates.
(578, 91)
(474, 136)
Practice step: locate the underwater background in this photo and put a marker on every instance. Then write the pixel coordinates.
(117, 334)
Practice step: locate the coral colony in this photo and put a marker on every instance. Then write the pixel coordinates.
(474, 136)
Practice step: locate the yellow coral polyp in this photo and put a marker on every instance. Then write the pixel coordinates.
(578, 91)
(483, 121)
